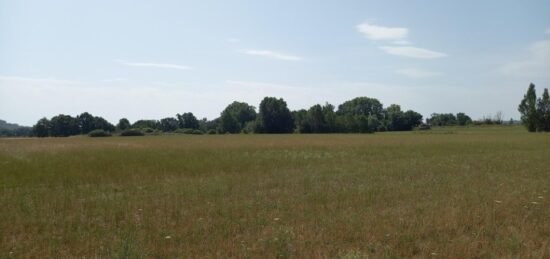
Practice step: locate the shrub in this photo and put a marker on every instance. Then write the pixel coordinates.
(132, 132)
(423, 127)
(189, 131)
(99, 133)
(211, 132)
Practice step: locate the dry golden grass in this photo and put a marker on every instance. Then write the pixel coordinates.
(450, 193)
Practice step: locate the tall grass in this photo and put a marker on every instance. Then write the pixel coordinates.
(453, 193)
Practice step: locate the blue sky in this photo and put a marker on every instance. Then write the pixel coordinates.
(153, 59)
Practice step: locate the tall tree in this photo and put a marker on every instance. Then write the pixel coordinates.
(123, 124)
(42, 128)
(64, 126)
(463, 119)
(543, 110)
(86, 122)
(361, 106)
(188, 121)
(528, 109)
(168, 124)
(235, 116)
(274, 116)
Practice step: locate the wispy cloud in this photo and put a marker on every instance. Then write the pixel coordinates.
(272, 55)
(375, 32)
(396, 36)
(412, 52)
(154, 65)
(535, 65)
(417, 73)
(547, 31)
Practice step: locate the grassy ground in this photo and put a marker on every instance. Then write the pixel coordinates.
(451, 193)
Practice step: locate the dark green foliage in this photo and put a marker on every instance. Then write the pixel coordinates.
(86, 122)
(142, 124)
(361, 106)
(235, 116)
(100, 123)
(211, 132)
(274, 116)
(99, 133)
(443, 119)
(131, 133)
(123, 124)
(14, 130)
(535, 114)
(169, 124)
(187, 120)
(64, 126)
(462, 119)
(528, 109)
(543, 110)
(42, 128)
(189, 131)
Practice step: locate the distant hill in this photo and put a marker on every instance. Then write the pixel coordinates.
(11, 126)
(14, 130)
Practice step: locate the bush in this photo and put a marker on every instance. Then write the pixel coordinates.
(132, 132)
(189, 131)
(99, 133)
(211, 132)
(423, 127)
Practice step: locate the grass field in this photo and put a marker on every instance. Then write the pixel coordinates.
(448, 193)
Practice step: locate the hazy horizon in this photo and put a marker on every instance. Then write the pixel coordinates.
(153, 60)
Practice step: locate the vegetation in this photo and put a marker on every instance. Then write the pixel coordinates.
(99, 133)
(535, 113)
(132, 133)
(14, 130)
(451, 192)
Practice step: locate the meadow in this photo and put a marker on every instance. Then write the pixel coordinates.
(477, 192)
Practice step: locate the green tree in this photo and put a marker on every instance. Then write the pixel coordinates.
(528, 109)
(187, 121)
(274, 116)
(103, 124)
(123, 124)
(361, 106)
(86, 122)
(235, 116)
(463, 119)
(169, 124)
(42, 128)
(316, 119)
(543, 110)
(64, 126)
(143, 124)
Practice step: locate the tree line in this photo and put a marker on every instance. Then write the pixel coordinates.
(359, 115)
(535, 112)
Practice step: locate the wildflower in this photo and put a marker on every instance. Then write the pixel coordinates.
(167, 237)
(276, 219)
(498, 201)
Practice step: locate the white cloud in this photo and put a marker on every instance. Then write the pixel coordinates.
(535, 65)
(154, 65)
(272, 55)
(417, 73)
(412, 52)
(375, 32)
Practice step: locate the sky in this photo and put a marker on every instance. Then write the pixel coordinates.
(154, 59)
